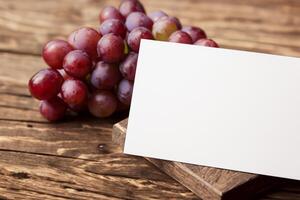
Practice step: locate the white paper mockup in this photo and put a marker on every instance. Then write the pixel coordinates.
(215, 107)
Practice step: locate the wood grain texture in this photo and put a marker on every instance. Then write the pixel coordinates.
(76, 160)
(206, 182)
(52, 176)
(18, 68)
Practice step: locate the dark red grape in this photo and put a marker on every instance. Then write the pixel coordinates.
(128, 66)
(124, 91)
(207, 43)
(138, 19)
(156, 15)
(195, 32)
(105, 76)
(135, 36)
(111, 48)
(77, 64)
(114, 26)
(102, 104)
(53, 109)
(76, 108)
(85, 39)
(110, 12)
(163, 28)
(180, 37)
(174, 19)
(74, 93)
(45, 84)
(79, 108)
(122, 107)
(129, 6)
(54, 53)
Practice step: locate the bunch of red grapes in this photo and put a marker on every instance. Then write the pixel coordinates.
(94, 70)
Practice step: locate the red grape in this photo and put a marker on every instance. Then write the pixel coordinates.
(111, 48)
(53, 109)
(85, 39)
(135, 36)
(180, 37)
(122, 107)
(138, 19)
(105, 76)
(157, 15)
(129, 6)
(207, 43)
(77, 64)
(102, 104)
(74, 93)
(110, 12)
(80, 108)
(163, 28)
(114, 26)
(128, 66)
(54, 53)
(124, 91)
(195, 32)
(45, 84)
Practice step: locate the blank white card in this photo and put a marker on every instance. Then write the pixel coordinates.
(215, 107)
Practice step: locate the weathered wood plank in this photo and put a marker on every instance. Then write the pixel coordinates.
(23, 102)
(19, 106)
(16, 114)
(23, 129)
(50, 176)
(44, 21)
(85, 142)
(12, 87)
(250, 25)
(19, 68)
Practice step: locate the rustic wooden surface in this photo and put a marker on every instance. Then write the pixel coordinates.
(206, 182)
(75, 159)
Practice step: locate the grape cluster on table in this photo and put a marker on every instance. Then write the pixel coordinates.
(94, 70)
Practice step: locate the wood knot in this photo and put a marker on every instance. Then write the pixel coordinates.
(20, 175)
(29, 125)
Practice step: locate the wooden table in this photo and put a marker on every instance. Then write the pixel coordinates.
(75, 159)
